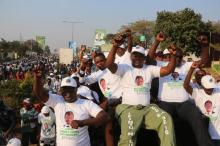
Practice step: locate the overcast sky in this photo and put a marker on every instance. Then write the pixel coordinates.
(26, 19)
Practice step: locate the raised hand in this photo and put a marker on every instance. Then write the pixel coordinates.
(195, 65)
(160, 37)
(203, 40)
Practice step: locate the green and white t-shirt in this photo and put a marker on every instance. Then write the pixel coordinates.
(65, 113)
(136, 83)
(171, 86)
(209, 106)
(109, 83)
(28, 119)
(47, 125)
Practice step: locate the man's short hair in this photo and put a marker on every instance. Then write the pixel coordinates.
(99, 55)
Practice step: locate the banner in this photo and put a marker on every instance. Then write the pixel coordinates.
(99, 37)
(72, 45)
(65, 55)
(41, 41)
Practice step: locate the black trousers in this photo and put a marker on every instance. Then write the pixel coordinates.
(29, 137)
(188, 112)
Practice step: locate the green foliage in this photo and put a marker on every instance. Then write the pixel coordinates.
(181, 28)
(20, 47)
(216, 27)
(141, 27)
(13, 91)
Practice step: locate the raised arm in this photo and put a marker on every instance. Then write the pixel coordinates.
(130, 42)
(38, 89)
(152, 51)
(204, 43)
(186, 84)
(111, 57)
(171, 65)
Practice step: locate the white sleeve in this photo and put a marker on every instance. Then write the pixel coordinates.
(155, 71)
(53, 100)
(122, 68)
(195, 93)
(188, 66)
(90, 79)
(92, 108)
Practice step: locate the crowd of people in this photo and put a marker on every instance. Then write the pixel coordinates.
(98, 91)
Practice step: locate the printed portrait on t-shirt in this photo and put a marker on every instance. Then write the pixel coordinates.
(208, 107)
(102, 84)
(69, 117)
(139, 80)
(176, 76)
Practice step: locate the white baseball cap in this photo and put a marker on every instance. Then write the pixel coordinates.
(51, 74)
(138, 49)
(208, 82)
(68, 81)
(45, 110)
(166, 51)
(14, 142)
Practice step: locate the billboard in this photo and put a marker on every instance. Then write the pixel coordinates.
(66, 55)
(99, 37)
(72, 45)
(41, 41)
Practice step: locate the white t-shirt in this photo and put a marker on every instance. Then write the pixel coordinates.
(124, 59)
(209, 106)
(171, 86)
(47, 125)
(136, 83)
(109, 83)
(66, 112)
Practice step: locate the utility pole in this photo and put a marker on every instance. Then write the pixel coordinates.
(72, 23)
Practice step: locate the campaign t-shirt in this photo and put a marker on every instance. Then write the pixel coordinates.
(209, 106)
(171, 86)
(65, 112)
(109, 83)
(47, 125)
(124, 59)
(136, 83)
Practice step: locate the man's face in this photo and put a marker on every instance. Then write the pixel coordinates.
(69, 94)
(69, 117)
(103, 85)
(46, 114)
(120, 51)
(139, 81)
(198, 75)
(179, 58)
(208, 91)
(137, 59)
(100, 62)
(208, 107)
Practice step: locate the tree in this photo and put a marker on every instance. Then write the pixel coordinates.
(141, 27)
(47, 49)
(182, 28)
(216, 27)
